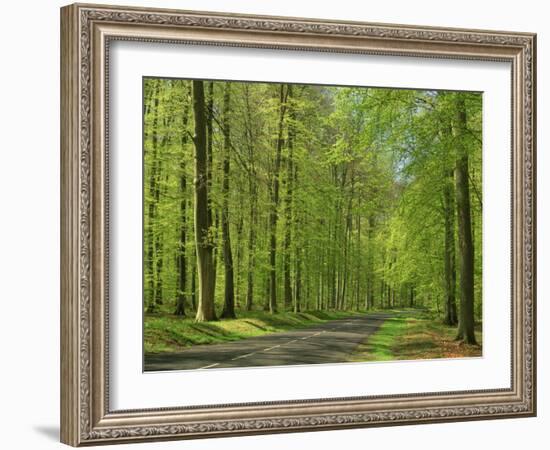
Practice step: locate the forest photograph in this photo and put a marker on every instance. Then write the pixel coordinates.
(290, 224)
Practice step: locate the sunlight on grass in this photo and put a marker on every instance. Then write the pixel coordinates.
(419, 337)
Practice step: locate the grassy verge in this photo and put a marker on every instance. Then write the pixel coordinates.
(168, 333)
(418, 337)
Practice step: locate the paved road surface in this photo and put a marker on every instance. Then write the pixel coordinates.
(330, 342)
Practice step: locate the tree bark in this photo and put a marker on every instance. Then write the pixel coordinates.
(182, 259)
(298, 281)
(273, 214)
(466, 318)
(450, 262)
(205, 308)
(287, 295)
(150, 263)
(251, 245)
(359, 270)
(228, 311)
(212, 214)
(253, 204)
(194, 282)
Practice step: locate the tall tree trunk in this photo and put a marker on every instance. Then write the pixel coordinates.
(253, 204)
(251, 245)
(466, 318)
(159, 245)
(450, 264)
(194, 282)
(347, 243)
(239, 256)
(150, 262)
(228, 311)
(182, 259)
(210, 148)
(205, 308)
(161, 187)
(273, 214)
(212, 214)
(359, 271)
(298, 281)
(331, 266)
(288, 208)
(370, 263)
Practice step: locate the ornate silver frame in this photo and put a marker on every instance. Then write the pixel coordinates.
(86, 31)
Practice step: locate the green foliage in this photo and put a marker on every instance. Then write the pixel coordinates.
(363, 173)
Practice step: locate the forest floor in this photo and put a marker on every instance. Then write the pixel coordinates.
(418, 336)
(168, 333)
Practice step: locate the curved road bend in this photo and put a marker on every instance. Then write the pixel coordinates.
(330, 342)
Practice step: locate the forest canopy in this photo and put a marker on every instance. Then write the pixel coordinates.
(288, 197)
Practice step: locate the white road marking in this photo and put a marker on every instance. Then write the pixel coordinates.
(243, 356)
(276, 346)
(311, 335)
(270, 348)
(290, 342)
(211, 365)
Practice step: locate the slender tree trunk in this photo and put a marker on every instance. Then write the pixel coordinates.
(213, 217)
(298, 281)
(251, 245)
(160, 185)
(253, 204)
(347, 242)
(450, 267)
(159, 257)
(273, 214)
(318, 304)
(210, 148)
(182, 259)
(239, 257)
(331, 267)
(466, 318)
(205, 310)
(288, 211)
(267, 291)
(228, 311)
(359, 270)
(150, 263)
(370, 262)
(194, 282)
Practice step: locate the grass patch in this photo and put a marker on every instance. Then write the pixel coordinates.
(168, 333)
(420, 336)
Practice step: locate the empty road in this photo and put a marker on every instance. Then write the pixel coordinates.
(330, 342)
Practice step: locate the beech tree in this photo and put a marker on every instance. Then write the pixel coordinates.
(311, 198)
(205, 307)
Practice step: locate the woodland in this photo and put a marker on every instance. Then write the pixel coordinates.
(285, 198)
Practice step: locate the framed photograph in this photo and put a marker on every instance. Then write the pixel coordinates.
(274, 224)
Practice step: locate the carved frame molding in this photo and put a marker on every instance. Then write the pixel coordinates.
(86, 31)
